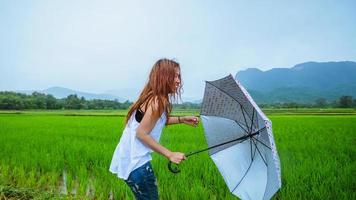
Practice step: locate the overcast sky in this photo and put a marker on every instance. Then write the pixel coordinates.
(97, 46)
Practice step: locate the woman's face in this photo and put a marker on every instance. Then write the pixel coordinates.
(176, 82)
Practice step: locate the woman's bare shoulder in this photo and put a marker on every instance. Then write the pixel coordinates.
(157, 105)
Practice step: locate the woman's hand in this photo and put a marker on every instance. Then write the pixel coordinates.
(176, 157)
(190, 120)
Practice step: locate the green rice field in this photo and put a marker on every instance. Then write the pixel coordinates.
(66, 155)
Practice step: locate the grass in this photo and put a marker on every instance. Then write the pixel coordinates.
(66, 154)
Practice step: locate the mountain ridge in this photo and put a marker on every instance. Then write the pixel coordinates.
(61, 92)
(303, 83)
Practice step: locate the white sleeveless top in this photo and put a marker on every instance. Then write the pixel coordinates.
(131, 153)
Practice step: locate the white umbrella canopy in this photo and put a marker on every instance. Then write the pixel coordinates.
(240, 140)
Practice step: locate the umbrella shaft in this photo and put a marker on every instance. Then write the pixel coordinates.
(218, 145)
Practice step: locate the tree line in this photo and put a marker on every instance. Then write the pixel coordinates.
(20, 101)
(341, 102)
(36, 100)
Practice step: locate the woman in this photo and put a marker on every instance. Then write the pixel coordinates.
(144, 123)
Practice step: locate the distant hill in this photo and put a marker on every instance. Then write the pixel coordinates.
(302, 83)
(60, 92)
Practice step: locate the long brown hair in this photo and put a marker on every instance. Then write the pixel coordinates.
(159, 88)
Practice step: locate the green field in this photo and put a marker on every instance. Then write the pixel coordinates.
(66, 154)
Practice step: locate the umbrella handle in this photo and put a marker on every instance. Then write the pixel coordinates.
(174, 169)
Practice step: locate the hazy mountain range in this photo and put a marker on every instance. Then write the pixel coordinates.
(302, 83)
(60, 92)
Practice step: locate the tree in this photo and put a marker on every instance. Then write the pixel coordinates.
(73, 102)
(39, 100)
(320, 103)
(83, 103)
(11, 102)
(51, 102)
(345, 101)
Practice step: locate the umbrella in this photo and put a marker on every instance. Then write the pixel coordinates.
(240, 140)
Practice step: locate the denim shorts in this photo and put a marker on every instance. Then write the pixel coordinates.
(143, 183)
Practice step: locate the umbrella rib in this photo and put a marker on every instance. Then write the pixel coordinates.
(261, 129)
(228, 95)
(241, 139)
(243, 114)
(251, 149)
(244, 174)
(259, 152)
(262, 143)
(253, 116)
(241, 127)
(257, 120)
(254, 150)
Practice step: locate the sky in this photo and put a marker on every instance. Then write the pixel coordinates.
(110, 46)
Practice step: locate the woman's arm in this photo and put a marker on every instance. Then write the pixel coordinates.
(174, 120)
(143, 130)
(189, 120)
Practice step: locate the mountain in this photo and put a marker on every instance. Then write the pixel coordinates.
(127, 93)
(60, 92)
(303, 83)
